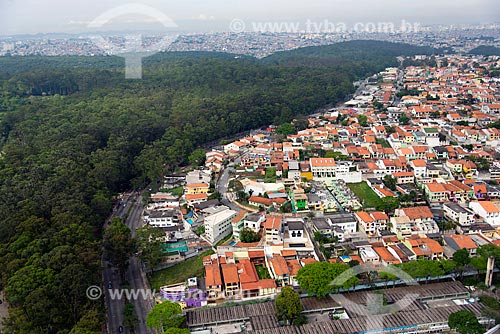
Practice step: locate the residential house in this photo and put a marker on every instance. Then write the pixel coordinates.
(231, 281)
(419, 168)
(414, 220)
(436, 192)
(404, 177)
(372, 222)
(486, 210)
(197, 188)
(461, 241)
(458, 214)
(253, 221)
(322, 167)
(368, 255)
(425, 248)
(213, 279)
(273, 228)
(238, 224)
(165, 218)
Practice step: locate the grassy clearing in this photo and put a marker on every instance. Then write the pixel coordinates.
(365, 194)
(262, 272)
(180, 272)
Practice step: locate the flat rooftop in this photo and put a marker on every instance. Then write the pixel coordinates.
(262, 320)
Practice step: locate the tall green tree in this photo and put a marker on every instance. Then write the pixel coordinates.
(197, 157)
(403, 119)
(118, 244)
(149, 241)
(286, 129)
(362, 120)
(288, 306)
(164, 316)
(390, 182)
(465, 322)
(461, 257)
(317, 278)
(387, 204)
(248, 235)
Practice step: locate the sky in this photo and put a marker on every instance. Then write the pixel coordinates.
(72, 16)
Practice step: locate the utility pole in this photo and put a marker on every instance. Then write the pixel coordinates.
(489, 271)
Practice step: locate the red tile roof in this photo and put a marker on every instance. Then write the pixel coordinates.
(272, 222)
(364, 216)
(322, 162)
(261, 284)
(279, 265)
(212, 275)
(230, 273)
(417, 212)
(385, 255)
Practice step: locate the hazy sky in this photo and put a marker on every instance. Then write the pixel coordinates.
(43, 16)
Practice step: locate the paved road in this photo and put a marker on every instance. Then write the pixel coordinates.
(222, 185)
(134, 275)
(111, 278)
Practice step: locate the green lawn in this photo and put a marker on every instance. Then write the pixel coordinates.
(383, 142)
(180, 272)
(365, 194)
(177, 191)
(262, 272)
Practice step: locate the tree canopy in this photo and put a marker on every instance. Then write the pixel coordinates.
(118, 243)
(248, 235)
(316, 278)
(465, 322)
(286, 129)
(149, 242)
(164, 316)
(288, 306)
(74, 133)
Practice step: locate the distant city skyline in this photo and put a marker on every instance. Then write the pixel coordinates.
(60, 16)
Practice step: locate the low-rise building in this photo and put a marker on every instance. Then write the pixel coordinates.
(231, 281)
(458, 214)
(372, 222)
(426, 248)
(461, 241)
(368, 255)
(197, 188)
(415, 220)
(486, 210)
(253, 221)
(272, 227)
(213, 279)
(166, 218)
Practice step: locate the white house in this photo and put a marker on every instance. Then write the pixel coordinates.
(162, 218)
(253, 221)
(293, 170)
(367, 254)
(346, 221)
(235, 146)
(322, 167)
(458, 214)
(488, 211)
(419, 168)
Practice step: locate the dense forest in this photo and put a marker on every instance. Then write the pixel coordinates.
(74, 132)
(486, 50)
